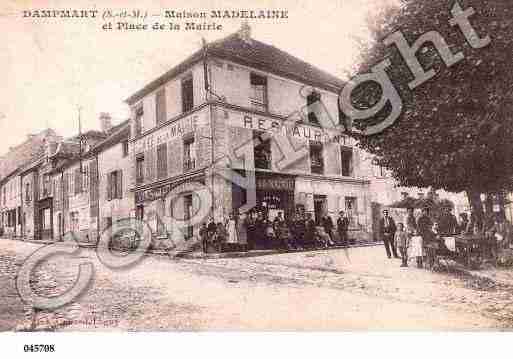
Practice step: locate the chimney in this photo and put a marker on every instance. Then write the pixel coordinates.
(105, 122)
(245, 32)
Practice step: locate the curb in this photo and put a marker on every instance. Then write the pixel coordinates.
(264, 252)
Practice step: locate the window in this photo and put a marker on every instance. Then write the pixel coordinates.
(27, 192)
(139, 118)
(46, 219)
(187, 94)
(125, 148)
(262, 150)
(160, 105)
(162, 161)
(189, 155)
(258, 96)
(379, 171)
(316, 159)
(46, 186)
(139, 169)
(115, 185)
(351, 210)
(139, 212)
(311, 99)
(19, 215)
(78, 181)
(347, 161)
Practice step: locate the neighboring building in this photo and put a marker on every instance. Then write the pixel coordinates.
(12, 163)
(59, 190)
(230, 95)
(116, 201)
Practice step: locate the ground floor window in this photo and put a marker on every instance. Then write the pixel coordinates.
(46, 219)
(352, 211)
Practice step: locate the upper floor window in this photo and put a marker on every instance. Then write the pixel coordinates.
(162, 161)
(347, 161)
(27, 193)
(187, 94)
(78, 182)
(258, 95)
(139, 169)
(316, 158)
(160, 105)
(311, 99)
(125, 148)
(115, 185)
(189, 154)
(262, 150)
(378, 170)
(47, 191)
(139, 118)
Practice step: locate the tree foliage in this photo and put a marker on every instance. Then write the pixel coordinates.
(455, 130)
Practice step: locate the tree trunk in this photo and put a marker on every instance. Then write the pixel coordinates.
(476, 208)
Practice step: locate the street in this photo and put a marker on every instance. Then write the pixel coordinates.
(354, 289)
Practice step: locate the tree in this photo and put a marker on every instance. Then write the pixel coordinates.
(455, 130)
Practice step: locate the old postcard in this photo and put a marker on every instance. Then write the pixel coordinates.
(255, 166)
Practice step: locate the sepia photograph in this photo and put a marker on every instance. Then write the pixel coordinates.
(255, 167)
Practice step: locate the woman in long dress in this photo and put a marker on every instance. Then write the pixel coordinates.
(231, 227)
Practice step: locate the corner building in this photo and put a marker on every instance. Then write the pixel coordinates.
(229, 95)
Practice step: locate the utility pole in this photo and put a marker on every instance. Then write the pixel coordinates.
(80, 139)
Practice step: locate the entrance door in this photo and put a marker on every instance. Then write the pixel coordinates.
(319, 208)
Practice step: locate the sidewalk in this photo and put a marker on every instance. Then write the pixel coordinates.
(264, 252)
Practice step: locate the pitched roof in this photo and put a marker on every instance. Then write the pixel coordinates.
(254, 54)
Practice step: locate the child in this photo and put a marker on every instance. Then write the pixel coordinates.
(402, 241)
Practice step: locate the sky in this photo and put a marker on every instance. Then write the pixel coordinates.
(51, 67)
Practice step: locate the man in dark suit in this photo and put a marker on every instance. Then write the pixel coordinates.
(387, 230)
(342, 228)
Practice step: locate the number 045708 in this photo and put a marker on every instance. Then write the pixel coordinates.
(48, 348)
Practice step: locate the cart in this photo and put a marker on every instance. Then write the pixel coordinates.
(468, 250)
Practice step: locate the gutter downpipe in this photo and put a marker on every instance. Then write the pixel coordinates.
(206, 72)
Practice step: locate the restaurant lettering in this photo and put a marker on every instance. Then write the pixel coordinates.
(166, 134)
(302, 131)
(275, 183)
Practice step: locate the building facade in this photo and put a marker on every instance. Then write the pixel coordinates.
(67, 184)
(239, 94)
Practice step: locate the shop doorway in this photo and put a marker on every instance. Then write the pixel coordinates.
(320, 205)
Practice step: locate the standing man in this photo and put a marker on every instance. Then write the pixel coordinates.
(387, 230)
(327, 223)
(342, 228)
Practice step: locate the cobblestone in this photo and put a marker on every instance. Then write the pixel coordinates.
(355, 289)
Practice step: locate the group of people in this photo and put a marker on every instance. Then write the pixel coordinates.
(398, 237)
(256, 231)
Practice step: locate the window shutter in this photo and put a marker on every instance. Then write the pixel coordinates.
(160, 102)
(119, 188)
(109, 186)
(77, 180)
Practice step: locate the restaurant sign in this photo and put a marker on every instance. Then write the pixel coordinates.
(298, 130)
(275, 183)
(161, 191)
(152, 193)
(171, 131)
